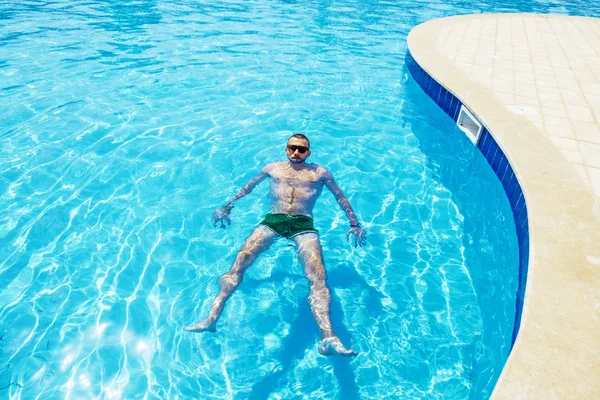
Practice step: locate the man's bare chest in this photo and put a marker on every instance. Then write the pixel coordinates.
(298, 179)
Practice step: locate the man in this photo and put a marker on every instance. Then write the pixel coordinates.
(295, 187)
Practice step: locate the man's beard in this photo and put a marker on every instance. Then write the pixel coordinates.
(296, 160)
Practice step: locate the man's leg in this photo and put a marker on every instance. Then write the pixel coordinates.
(258, 241)
(311, 257)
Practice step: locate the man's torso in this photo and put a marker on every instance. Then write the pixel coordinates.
(294, 191)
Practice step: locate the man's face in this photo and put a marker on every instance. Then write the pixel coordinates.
(297, 150)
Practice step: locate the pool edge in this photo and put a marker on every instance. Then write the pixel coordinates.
(495, 157)
(555, 198)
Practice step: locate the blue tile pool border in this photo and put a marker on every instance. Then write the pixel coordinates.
(497, 160)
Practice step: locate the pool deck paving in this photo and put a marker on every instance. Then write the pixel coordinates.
(534, 82)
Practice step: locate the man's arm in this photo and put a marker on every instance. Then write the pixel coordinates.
(360, 235)
(264, 173)
(222, 213)
(339, 196)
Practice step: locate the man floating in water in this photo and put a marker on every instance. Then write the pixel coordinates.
(295, 187)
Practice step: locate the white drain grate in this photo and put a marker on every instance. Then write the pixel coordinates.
(469, 124)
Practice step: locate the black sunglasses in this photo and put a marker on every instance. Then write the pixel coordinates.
(293, 148)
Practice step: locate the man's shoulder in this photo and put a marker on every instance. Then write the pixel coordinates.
(322, 171)
(272, 167)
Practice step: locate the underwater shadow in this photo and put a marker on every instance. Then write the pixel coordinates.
(304, 333)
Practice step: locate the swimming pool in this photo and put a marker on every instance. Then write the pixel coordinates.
(125, 126)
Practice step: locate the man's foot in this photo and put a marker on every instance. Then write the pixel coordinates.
(206, 324)
(332, 346)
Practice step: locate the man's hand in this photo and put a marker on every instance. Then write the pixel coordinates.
(222, 214)
(360, 236)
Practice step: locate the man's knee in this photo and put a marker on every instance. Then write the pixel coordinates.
(316, 272)
(231, 279)
(318, 291)
(245, 257)
(318, 283)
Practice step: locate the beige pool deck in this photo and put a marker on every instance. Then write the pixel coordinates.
(534, 82)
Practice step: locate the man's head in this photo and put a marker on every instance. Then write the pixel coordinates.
(297, 148)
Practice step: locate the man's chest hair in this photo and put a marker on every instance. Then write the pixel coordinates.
(291, 176)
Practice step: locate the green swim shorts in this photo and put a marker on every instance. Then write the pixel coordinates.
(289, 226)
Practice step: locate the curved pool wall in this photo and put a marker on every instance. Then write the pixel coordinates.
(489, 238)
(497, 160)
(556, 351)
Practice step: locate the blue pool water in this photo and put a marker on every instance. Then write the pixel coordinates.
(124, 126)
